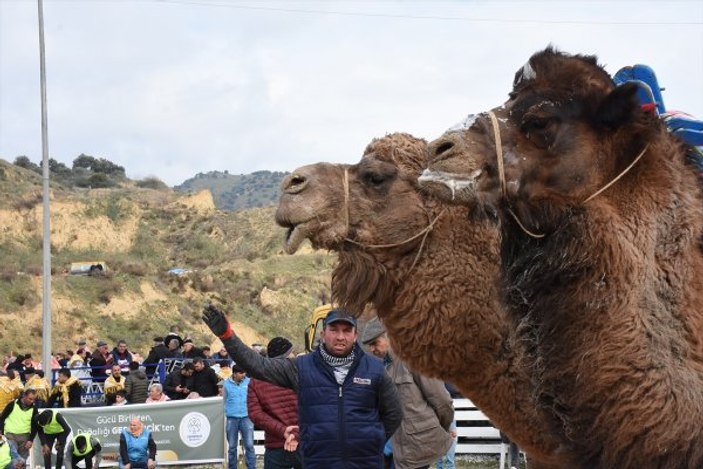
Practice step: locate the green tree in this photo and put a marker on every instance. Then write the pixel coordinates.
(24, 162)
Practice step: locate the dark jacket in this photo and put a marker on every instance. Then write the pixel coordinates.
(156, 354)
(272, 409)
(340, 425)
(98, 365)
(382, 395)
(195, 352)
(172, 381)
(136, 387)
(74, 396)
(63, 436)
(204, 382)
(122, 359)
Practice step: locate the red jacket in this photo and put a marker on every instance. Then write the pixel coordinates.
(272, 409)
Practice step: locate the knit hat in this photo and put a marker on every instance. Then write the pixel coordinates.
(188, 341)
(279, 347)
(374, 328)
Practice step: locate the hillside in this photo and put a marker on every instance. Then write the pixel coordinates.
(236, 192)
(235, 259)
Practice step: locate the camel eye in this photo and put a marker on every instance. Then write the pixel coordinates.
(534, 123)
(375, 179)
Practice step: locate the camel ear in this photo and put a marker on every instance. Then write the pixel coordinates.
(619, 106)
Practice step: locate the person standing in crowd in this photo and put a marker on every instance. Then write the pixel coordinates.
(177, 383)
(447, 461)
(52, 429)
(428, 410)
(8, 390)
(174, 342)
(121, 356)
(115, 382)
(348, 406)
(156, 394)
(235, 402)
(83, 447)
(9, 457)
(18, 422)
(36, 381)
(204, 379)
(190, 350)
(67, 390)
(137, 447)
(100, 361)
(157, 353)
(273, 409)
(136, 387)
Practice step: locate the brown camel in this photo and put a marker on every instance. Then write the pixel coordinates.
(607, 284)
(406, 253)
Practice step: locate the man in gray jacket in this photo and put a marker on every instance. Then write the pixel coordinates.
(428, 411)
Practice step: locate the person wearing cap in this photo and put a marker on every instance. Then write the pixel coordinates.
(234, 394)
(53, 429)
(18, 422)
(190, 350)
(273, 409)
(348, 406)
(9, 457)
(67, 390)
(36, 381)
(428, 410)
(83, 447)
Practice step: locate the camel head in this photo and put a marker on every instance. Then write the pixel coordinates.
(353, 208)
(564, 133)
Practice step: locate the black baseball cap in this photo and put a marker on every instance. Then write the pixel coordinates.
(337, 315)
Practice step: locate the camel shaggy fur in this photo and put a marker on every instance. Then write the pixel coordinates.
(407, 254)
(608, 287)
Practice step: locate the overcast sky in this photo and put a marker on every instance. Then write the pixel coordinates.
(174, 88)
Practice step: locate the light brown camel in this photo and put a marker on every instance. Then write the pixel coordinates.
(406, 253)
(609, 284)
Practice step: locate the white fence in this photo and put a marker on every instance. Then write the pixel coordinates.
(475, 432)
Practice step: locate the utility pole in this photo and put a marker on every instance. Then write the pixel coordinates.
(46, 250)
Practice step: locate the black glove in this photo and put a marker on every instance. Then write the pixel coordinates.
(217, 322)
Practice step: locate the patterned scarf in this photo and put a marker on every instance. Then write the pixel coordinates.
(62, 388)
(333, 361)
(340, 365)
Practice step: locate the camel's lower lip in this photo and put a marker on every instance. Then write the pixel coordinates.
(295, 235)
(455, 182)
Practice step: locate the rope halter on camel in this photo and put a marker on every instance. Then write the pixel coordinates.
(503, 184)
(424, 232)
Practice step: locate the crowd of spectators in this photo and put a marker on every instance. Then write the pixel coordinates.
(125, 377)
